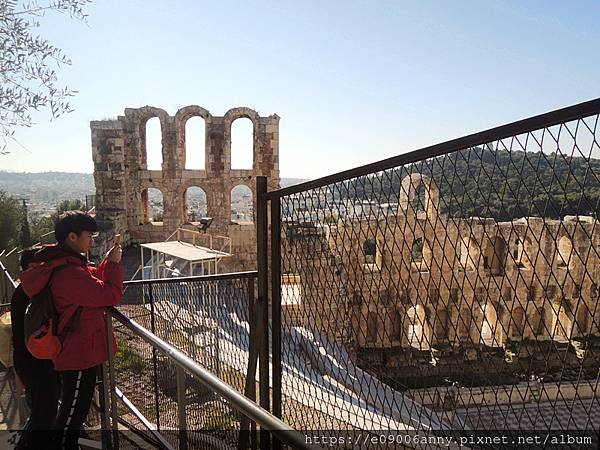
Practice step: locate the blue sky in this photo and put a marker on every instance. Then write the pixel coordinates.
(353, 81)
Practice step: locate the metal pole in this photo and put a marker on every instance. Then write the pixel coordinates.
(154, 357)
(111, 378)
(276, 308)
(250, 386)
(181, 404)
(105, 409)
(213, 289)
(262, 235)
(142, 260)
(152, 264)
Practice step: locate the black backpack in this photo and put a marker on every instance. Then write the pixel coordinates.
(41, 324)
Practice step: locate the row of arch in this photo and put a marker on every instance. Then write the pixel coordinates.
(194, 141)
(195, 205)
(495, 253)
(415, 327)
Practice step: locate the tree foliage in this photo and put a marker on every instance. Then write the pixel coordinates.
(499, 184)
(68, 205)
(44, 225)
(11, 218)
(28, 63)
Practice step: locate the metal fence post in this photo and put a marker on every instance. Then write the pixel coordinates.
(216, 312)
(111, 380)
(247, 427)
(154, 357)
(262, 234)
(105, 409)
(276, 307)
(181, 404)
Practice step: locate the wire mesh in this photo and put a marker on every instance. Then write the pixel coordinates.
(457, 292)
(209, 322)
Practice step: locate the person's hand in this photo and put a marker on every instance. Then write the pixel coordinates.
(114, 254)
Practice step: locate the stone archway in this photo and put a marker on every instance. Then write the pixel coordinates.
(417, 327)
(420, 190)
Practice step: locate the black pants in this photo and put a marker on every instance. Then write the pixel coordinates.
(42, 388)
(76, 397)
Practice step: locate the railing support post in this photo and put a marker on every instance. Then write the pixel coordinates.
(248, 429)
(181, 404)
(262, 235)
(276, 308)
(111, 380)
(105, 409)
(154, 357)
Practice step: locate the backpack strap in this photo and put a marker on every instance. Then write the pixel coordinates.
(74, 319)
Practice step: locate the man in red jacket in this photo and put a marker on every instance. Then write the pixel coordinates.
(76, 285)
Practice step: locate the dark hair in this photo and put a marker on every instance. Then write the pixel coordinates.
(27, 256)
(73, 221)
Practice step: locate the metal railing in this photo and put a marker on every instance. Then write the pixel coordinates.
(13, 408)
(185, 373)
(7, 283)
(194, 237)
(451, 288)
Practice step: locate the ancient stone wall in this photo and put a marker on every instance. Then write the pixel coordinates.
(476, 280)
(122, 177)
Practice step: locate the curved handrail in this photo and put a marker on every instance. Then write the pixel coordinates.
(265, 419)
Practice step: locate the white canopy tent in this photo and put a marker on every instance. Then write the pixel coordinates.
(177, 258)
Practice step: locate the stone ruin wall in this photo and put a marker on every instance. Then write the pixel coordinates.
(122, 178)
(446, 290)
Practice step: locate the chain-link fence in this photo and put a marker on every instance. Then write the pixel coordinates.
(208, 320)
(452, 288)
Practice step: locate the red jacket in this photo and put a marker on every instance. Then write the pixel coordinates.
(77, 284)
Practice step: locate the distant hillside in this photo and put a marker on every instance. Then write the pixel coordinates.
(285, 182)
(498, 184)
(47, 187)
(54, 187)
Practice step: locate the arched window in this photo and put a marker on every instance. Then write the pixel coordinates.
(152, 206)
(371, 327)
(518, 322)
(418, 203)
(522, 253)
(416, 253)
(582, 320)
(464, 324)
(396, 326)
(538, 321)
(563, 325)
(242, 144)
(242, 208)
(494, 256)
(195, 143)
(154, 157)
(467, 253)
(370, 251)
(441, 325)
(489, 325)
(195, 204)
(518, 252)
(565, 250)
(416, 327)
